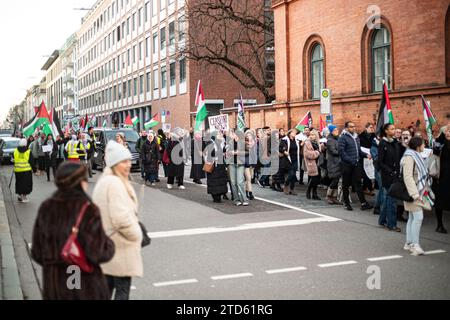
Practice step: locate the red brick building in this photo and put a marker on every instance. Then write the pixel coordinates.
(350, 47)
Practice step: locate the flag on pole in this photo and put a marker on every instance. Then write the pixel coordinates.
(55, 124)
(323, 125)
(156, 120)
(202, 112)
(385, 115)
(430, 120)
(128, 122)
(241, 115)
(135, 121)
(41, 120)
(306, 122)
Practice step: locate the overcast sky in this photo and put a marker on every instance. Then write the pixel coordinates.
(31, 30)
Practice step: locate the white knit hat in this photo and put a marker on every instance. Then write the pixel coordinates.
(23, 143)
(116, 153)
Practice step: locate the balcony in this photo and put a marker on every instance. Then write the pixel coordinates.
(68, 92)
(69, 78)
(68, 63)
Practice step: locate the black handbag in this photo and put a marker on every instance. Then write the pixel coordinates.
(399, 191)
(146, 240)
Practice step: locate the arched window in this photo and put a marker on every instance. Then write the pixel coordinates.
(381, 59)
(317, 71)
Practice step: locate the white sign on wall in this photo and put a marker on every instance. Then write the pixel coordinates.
(325, 101)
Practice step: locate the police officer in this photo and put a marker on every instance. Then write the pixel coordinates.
(23, 160)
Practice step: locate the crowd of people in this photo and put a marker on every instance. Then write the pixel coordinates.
(340, 161)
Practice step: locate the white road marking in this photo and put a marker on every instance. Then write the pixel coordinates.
(133, 288)
(275, 271)
(175, 283)
(435, 252)
(250, 226)
(232, 276)
(384, 258)
(336, 264)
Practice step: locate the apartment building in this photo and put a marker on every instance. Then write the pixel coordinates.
(129, 63)
(35, 96)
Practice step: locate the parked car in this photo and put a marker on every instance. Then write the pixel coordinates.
(6, 133)
(7, 147)
(104, 135)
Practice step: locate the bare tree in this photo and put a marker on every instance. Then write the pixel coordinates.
(236, 36)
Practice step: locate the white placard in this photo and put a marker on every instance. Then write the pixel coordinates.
(325, 101)
(219, 123)
(166, 127)
(426, 153)
(46, 149)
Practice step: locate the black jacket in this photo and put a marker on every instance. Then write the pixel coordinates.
(150, 156)
(389, 161)
(350, 149)
(366, 139)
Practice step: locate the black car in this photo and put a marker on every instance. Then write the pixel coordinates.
(104, 135)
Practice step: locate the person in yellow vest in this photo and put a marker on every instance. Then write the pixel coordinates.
(84, 151)
(72, 150)
(23, 160)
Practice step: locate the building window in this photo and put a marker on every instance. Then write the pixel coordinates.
(381, 60)
(183, 70)
(155, 80)
(141, 84)
(163, 38)
(181, 29)
(172, 74)
(134, 54)
(124, 89)
(172, 33)
(163, 77)
(162, 4)
(134, 21)
(146, 7)
(135, 87)
(140, 17)
(140, 51)
(317, 71)
(155, 43)
(154, 8)
(148, 86)
(147, 47)
(129, 89)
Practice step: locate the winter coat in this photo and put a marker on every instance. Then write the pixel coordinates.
(24, 180)
(389, 161)
(150, 156)
(311, 156)
(217, 181)
(52, 228)
(366, 139)
(350, 149)
(410, 177)
(284, 164)
(37, 148)
(176, 166)
(333, 158)
(288, 143)
(140, 144)
(441, 187)
(118, 205)
(51, 160)
(197, 172)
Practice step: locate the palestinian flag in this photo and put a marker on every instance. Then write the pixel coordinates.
(135, 121)
(202, 112)
(430, 120)
(55, 124)
(241, 115)
(40, 121)
(128, 122)
(306, 122)
(156, 120)
(385, 115)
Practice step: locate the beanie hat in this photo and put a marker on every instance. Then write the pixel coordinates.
(23, 143)
(116, 153)
(332, 128)
(70, 175)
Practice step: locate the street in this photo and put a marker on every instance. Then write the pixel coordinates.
(280, 247)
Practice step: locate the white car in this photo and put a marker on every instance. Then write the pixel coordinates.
(7, 148)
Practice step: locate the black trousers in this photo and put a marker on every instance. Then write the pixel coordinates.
(171, 180)
(122, 286)
(334, 185)
(48, 172)
(351, 175)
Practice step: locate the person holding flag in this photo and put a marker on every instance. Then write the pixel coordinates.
(202, 112)
(23, 160)
(241, 115)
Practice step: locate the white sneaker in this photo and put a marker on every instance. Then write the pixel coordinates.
(153, 184)
(182, 187)
(19, 198)
(170, 186)
(245, 204)
(25, 199)
(416, 250)
(238, 204)
(407, 247)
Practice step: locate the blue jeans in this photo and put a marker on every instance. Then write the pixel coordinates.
(388, 211)
(413, 227)
(151, 177)
(380, 193)
(292, 175)
(237, 179)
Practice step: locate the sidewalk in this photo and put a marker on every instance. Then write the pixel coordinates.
(10, 287)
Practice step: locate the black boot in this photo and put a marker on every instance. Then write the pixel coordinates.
(308, 192)
(251, 196)
(315, 195)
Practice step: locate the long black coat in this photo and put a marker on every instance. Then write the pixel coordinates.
(150, 156)
(197, 172)
(217, 181)
(389, 162)
(333, 158)
(284, 164)
(52, 160)
(441, 187)
(24, 180)
(53, 225)
(176, 166)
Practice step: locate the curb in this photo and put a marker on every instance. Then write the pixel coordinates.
(10, 286)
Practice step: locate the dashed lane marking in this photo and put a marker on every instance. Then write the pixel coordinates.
(384, 258)
(232, 276)
(336, 264)
(175, 283)
(435, 252)
(286, 270)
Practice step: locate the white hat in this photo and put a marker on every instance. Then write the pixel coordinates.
(23, 143)
(116, 153)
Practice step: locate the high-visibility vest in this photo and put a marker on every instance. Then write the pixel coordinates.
(72, 151)
(83, 149)
(22, 161)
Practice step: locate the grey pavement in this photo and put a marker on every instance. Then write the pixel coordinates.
(280, 247)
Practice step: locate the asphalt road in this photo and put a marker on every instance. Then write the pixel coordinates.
(280, 247)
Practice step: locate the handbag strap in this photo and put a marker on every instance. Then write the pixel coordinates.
(76, 227)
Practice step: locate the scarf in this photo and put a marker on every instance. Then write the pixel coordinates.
(424, 179)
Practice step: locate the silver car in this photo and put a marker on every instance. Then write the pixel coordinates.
(7, 148)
